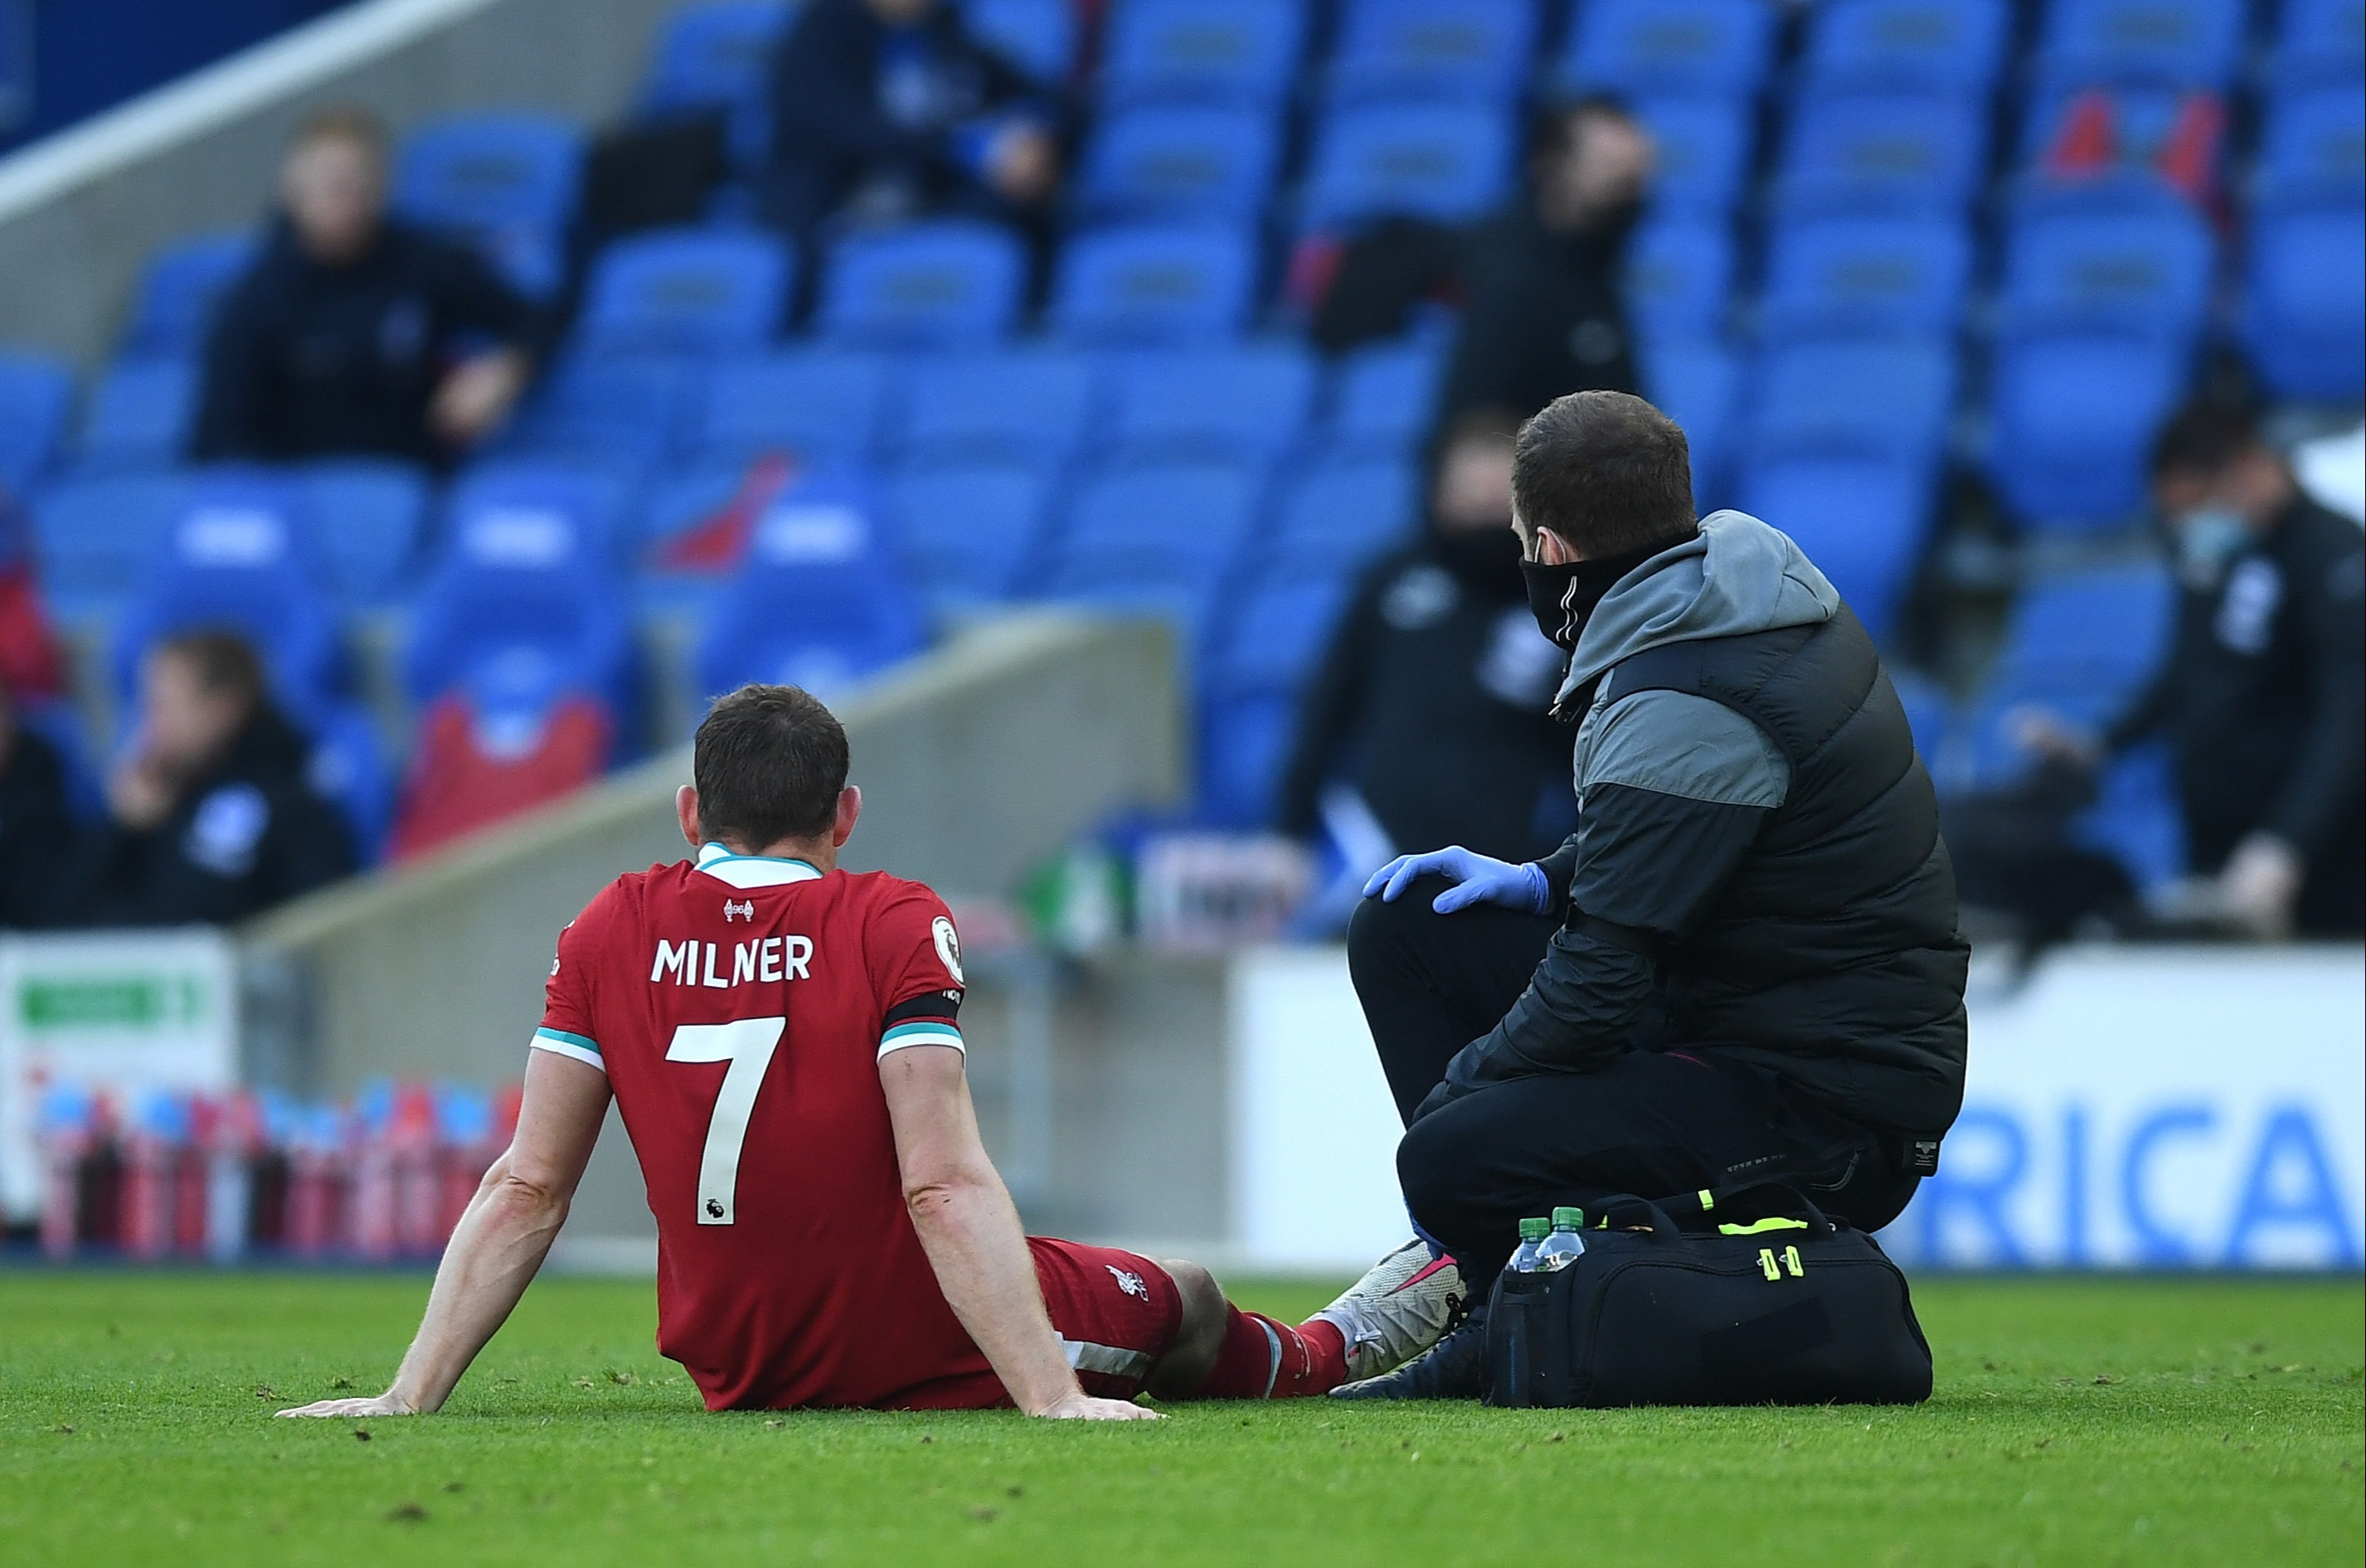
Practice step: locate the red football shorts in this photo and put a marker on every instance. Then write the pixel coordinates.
(1116, 1313)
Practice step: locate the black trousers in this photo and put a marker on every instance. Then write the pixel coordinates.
(1651, 1122)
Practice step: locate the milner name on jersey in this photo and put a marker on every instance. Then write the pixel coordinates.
(765, 961)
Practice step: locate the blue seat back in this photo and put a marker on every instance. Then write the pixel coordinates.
(2072, 420)
(823, 406)
(1679, 275)
(2149, 271)
(714, 54)
(1920, 152)
(526, 563)
(686, 291)
(1702, 154)
(1863, 518)
(1181, 161)
(1037, 36)
(174, 307)
(1384, 396)
(2183, 42)
(2302, 318)
(1156, 535)
(1275, 630)
(2314, 148)
(97, 536)
(1952, 46)
(1250, 401)
(622, 411)
(532, 515)
(1866, 274)
(1243, 51)
(348, 768)
(1443, 49)
(968, 534)
(820, 604)
(941, 285)
(139, 415)
(1695, 381)
(1710, 46)
(36, 397)
(1450, 162)
(1334, 517)
(1153, 285)
(366, 520)
(508, 182)
(2104, 627)
(1245, 742)
(2320, 42)
(1026, 405)
(1892, 395)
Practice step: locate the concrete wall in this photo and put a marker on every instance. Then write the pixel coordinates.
(81, 211)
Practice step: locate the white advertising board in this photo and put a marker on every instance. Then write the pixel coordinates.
(2126, 1108)
(121, 1011)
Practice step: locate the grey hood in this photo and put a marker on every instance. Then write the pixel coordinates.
(1739, 575)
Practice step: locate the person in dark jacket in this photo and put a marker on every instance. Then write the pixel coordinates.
(890, 110)
(1750, 963)
(2262, 697)
(354, 335)
(37, 828)
(1428, 705)
(211, 817)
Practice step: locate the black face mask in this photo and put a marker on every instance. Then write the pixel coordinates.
(1564, 597)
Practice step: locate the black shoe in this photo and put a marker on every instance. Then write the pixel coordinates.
(1454, 1367)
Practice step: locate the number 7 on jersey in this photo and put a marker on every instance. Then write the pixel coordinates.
(746, 1043)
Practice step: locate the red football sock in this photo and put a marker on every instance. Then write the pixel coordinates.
(1265, 1359)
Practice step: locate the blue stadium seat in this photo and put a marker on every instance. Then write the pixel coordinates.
(1862, 517)
(1449, 162)
(825, 407)
(1866, 275)
(2319, 42)
(507, 181)
(1156, 536)
(1245, 742)
(1899, 151)
(97, 536)
(1275, 629)
(1250, 401)
(366, 519)
(1338, 515)
(2147, 271)
(620, 412)
(686, 291)
(1695, 381)
(1025, 405)
(235, 557)
(139, 415)
(713, 55)
(1384, 397)
(1243, 51)
(2144, 121)
(1180, 161)
(942, 285)
(1893, 395)
(820, 604)
(2303, 321)
(1153, 285)
(1037, 36)
(2104, 627)
(348, 768)
(1400, 50)
(967, 533)
(174, 307)
(36, 397)
(2314, 148)
(1679, 275)
(1929, 710)
(1714, 47)
(1703, 155)
(534, 514)
(2177, 42)
(2072, 417)
(1946, 45)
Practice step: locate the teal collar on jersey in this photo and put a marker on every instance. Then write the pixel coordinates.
(719, 861)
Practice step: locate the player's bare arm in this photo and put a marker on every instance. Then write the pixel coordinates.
(971, 1232)
(501, 1242)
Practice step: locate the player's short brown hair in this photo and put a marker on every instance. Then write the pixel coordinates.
(1605, 472)
(770, 762)
(223, 661)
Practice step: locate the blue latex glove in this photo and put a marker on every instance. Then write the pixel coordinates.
(1477, 880)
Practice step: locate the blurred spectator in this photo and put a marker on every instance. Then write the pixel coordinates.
(1543, 306)
(1431, 700)
(2262, 698)
(353, 334)
(32, 664)
(211, 819)
(889, 109)
(37, 831)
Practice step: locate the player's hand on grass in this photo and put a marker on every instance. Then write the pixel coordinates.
(387, 1403)
(1084, 1407)
(1477, 880)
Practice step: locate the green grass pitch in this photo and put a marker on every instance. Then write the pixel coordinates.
(2090, 1422)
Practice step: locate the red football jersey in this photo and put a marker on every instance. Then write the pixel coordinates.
(739, 1007)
